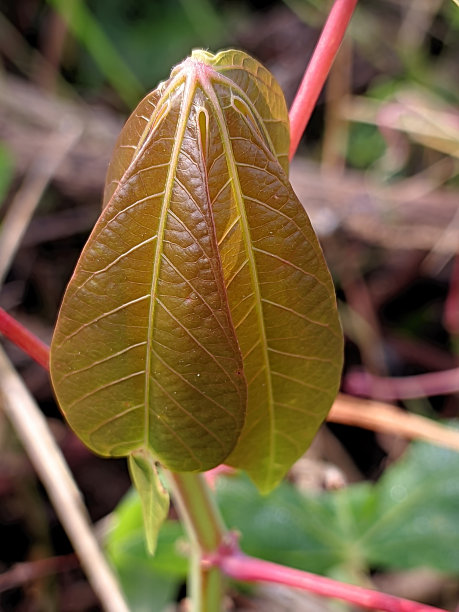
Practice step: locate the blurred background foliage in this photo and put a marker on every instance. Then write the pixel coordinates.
(378, 172)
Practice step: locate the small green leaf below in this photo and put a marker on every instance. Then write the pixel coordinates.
(153, 496)
(149, 583)
(201, 319)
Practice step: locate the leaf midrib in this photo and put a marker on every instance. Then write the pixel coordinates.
(226, 142)
(190, 86)
(224, 80)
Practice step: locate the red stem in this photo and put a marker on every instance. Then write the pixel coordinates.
(238, 566)
(318, 69)
(24, 339)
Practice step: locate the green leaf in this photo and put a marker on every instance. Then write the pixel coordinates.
(284, 526)
(407, 520)
(153, 496)
(201, 305)
(6, 171)
(149, 583)
(416, 511)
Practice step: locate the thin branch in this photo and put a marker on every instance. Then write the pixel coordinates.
(29, 195)
(50, 465)
(318, 69)
(207, 532)
(23, 573)
(24, 339)
(402, 387)
(238, 566)
(384, 418)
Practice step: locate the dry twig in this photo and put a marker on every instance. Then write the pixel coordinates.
(28, 197)
(47, 458)
(384, 418)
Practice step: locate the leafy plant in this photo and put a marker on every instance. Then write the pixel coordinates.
(174, 343)
(173, 337)
(200, 324)
(406, 520)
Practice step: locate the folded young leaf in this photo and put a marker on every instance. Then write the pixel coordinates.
(153, 496)
(201, 305)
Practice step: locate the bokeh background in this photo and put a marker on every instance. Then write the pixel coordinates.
(378, 173)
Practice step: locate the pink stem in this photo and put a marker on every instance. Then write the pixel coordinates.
(238, 566)
(213, 474)
(24, 339)
(318, 69)
(451, 314)
(406, 387)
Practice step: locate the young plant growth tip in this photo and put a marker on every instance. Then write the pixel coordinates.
(200, 326)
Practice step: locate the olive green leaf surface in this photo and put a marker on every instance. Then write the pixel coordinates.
(154, 497)
(201, 321)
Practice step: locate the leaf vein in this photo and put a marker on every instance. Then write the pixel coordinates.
(115, 417)
(190, 384)
(112, 383)
(301, 382)
(305, 357)
(201, 297)
(188, 413)
(200, 345)
(302, 316)
(103, 316)
(290, 264)
(116, 260)
(100, 361)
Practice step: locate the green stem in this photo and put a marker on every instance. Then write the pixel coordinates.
(207, 532)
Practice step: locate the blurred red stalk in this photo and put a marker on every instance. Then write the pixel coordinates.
(238, 566)
(406, 387)
(318, 69)
(24, 339)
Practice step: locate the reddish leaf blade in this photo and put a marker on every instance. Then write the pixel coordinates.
(202, 281)
(144, 352)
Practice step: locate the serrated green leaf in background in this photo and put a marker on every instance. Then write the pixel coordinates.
(408, 519)
(416, 512)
